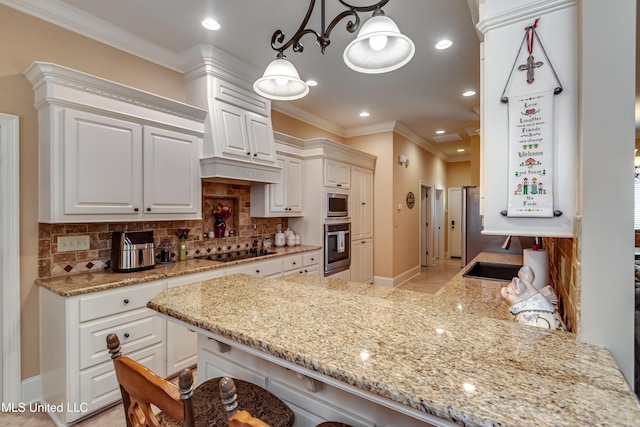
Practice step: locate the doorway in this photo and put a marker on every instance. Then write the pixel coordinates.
(426, 228)
(9, 260)
(438, 224)
(455, 222)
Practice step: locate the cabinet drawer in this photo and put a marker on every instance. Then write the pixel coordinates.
(99, 386)
(128, 298)
(310, 258)
(262, 268)
(136, 330)
(293, 263)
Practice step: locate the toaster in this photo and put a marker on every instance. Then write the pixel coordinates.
(132, 251)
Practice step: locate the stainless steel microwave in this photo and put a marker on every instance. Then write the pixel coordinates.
(337, 205)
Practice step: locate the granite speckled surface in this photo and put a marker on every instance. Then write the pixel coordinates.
(85, 283)
(450, 354)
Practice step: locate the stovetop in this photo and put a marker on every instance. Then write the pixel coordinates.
(235, 256)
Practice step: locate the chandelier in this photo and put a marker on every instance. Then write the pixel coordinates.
(379, 47)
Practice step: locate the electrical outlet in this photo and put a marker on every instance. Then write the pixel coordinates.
(73, 243)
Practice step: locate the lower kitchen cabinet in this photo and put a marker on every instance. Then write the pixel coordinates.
(75, 365)
(362, 260)
(182, 342)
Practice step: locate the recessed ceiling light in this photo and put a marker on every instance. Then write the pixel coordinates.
(460, 150)
(440, 132)
(469, 93)
(444, 44)
(311, 83)
(364, 114)
(211, 24)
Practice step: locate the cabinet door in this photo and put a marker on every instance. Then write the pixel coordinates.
(293, 174)
(367, 261)
(356, 261)
(102, 164)
(366, 203)
(260, 133)
(361, 203)
(232, 133)
(336, 174)
(171, 173)
(278, 192)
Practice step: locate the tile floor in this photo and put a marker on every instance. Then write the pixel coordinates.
(430, 280)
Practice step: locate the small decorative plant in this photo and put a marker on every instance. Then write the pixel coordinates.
(222, 212)
(182, 233)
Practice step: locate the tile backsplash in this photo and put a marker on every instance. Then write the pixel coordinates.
(564, 268)
(52, 262)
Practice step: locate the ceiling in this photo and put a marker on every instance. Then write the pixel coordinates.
(423, 96)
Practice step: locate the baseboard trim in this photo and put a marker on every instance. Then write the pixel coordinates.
(32, 389)
(393, 282)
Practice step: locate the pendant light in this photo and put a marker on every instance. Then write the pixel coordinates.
(281, 81)
(380, 47)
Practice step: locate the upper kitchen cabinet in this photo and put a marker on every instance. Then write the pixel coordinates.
(283, 199)
(108, 152)
(239, 143)
(337, 174)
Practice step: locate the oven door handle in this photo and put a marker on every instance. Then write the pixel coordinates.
(335, 233)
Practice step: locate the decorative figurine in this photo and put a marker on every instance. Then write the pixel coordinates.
(528, 305)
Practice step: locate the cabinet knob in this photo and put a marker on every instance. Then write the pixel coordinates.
(136, 209)
(294, 263)
(255, 154)
(248, 153)
(148, 209)
(126, 301)
(126, 334)
(257, 271)
(338, 185)
(313, 259)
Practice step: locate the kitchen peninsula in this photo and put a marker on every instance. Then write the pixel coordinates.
(391, 357)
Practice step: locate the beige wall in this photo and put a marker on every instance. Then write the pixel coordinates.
(293, 127)
(27, 39)
(474, 151)
(459, 174)
(423, 167)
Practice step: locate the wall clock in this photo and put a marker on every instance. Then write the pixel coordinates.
(411, 200)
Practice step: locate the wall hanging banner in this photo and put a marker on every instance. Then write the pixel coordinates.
(531, 155)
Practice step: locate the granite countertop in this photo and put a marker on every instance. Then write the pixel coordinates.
(85, 283)
(451, 354)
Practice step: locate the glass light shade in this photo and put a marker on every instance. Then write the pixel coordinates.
(281, 82)
(379, 47)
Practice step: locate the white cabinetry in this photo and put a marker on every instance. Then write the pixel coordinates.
(108, 152)
(117, 167)
(283, 199)
(243, 134)
(336, 174)
(361, 203)
(362, 260)
(182, 343)
(306, 262)
(75, 365)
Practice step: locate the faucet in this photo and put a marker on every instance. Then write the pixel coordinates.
(507, 243)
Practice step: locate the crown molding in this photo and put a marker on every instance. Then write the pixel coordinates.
(404, 131)
(530, 10)
(72, 19)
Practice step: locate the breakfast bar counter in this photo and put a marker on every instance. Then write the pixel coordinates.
(450, 358)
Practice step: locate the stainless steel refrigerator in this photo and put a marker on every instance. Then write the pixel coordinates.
(473, 241)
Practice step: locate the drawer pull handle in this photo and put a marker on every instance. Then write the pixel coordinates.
(126, 301)
(126, 334)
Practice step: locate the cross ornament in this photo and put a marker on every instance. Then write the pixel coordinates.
(529, 67)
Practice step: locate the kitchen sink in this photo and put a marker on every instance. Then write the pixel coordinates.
(492, 271)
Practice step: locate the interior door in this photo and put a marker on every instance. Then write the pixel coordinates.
(455, 222)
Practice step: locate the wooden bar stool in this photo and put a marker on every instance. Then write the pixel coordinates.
(186, 406)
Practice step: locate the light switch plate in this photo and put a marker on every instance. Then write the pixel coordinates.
(73, 243)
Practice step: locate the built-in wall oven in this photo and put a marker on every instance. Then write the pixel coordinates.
(337, 247)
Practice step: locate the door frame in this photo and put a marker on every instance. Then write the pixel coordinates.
(10, 258)
(438, 220)
(449, 233)
(426, 231)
